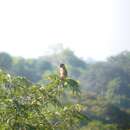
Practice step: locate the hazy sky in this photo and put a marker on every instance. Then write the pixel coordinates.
(92, 28)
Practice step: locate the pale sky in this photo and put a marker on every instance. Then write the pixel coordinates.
(92, 28)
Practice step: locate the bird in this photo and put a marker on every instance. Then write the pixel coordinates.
(63, 72)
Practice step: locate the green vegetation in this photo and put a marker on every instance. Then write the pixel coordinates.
(105, 90)
(28, 106)
(97, 125)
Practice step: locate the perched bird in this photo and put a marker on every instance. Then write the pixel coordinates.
(63, 72)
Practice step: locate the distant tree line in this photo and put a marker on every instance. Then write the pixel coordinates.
(35, 69)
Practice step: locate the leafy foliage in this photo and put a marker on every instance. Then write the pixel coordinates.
(97, 125)
(105, 86)
(28, 106)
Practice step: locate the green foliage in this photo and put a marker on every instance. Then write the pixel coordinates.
(97, 125)
(71, 59)
(105, 86)
(5, 61)
(34, 69)
(28, 106)
(112, 90)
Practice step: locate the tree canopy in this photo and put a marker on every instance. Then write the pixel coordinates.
(105, 85)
